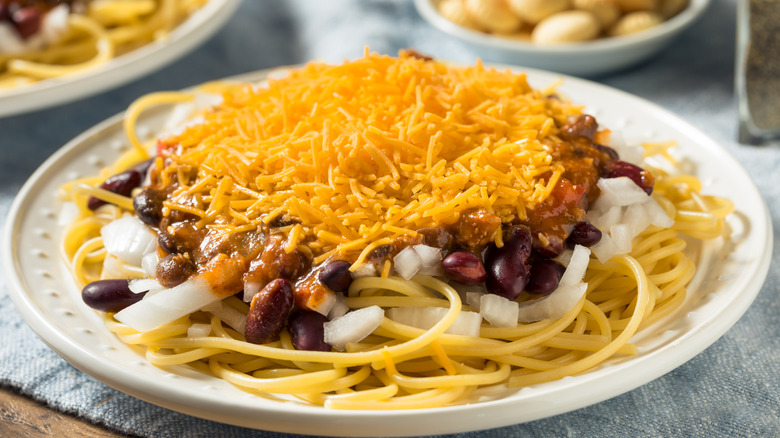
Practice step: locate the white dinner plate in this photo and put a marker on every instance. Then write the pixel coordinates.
(729, 279)
(187, 36)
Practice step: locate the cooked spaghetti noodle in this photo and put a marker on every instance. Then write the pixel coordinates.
(85, 34)
(357, 163)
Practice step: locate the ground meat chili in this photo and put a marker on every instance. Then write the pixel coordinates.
(229, 261)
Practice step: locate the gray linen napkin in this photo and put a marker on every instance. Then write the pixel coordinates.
(731, 389)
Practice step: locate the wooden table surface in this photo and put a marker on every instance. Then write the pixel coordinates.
(21, 416)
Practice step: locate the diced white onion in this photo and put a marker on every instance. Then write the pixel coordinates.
(144, 285)
(565, 257)
(55, 22)
(198, 330)
(250, 289)
(621, 236)
(322, 305)
(578, 264)
(168, 305)
(353, 327)
(113, 268)
(407, 263)
(340, 307)
(630, 152)
(228, 315)
(430, 259)
(364, 270)
(605, 249)
(473, 299)
(619, 192)
(604, 220)
(149, 264)
(10, 41)
(466, 324)
(128, 239)
(553, 306)
(657, 214)
(636, 218)
(499, 311)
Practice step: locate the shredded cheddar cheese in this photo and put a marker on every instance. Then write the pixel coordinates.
(360, 153)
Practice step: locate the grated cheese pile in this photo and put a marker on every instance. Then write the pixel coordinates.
(360, 153)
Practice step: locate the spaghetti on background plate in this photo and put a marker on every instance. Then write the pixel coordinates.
(43, 39)
(389, 233)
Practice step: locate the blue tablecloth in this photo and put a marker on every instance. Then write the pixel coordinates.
(731, 389)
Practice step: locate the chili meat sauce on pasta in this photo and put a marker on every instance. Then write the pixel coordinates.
(389, 233)
(42, 39)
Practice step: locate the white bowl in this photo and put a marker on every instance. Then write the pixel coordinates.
(588, 58)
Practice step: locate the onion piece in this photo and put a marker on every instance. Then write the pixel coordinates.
(578, 264)
(364, 270)
(604, 220)
(54, 24)
(144, 285)
(430, 259)
(466, 324)
(621, 236)
(115, 268)
(632, 153)
(128, 239)
(605, 249)
(227, 314)
(340, 307)
(322, 304)
(198, 330)
(168, 305)
(499, 311)
(10, 41)
(473, 299)
(353, 327)
(553, 306)
(619, 192)
(250, 289)
(636, 218)
(149, 264)
(407, 263)
(657, 214)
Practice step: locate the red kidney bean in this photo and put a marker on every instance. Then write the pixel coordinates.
(307, 330)
(143, 166)
(585, 234)
(27, 21)
(507, 269)
(109, 295)
(268, 311)
(641, 177)
(613, 155)
(464, 267)
(544, 277)
(174, 269)
(148, 206)
(121, 183)
(5, 13)
(336, 276)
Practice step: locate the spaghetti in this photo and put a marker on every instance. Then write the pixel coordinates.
(43, 39)
(356, 235)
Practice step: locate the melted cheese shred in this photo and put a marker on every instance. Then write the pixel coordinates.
(369, 150)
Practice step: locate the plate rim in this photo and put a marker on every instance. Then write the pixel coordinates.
(186, 37)
(279, 416)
